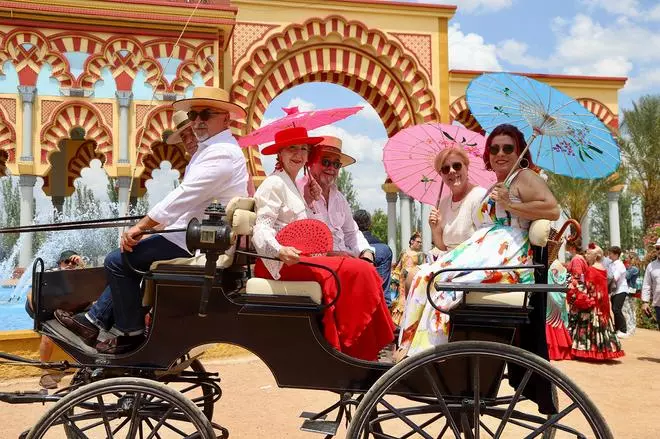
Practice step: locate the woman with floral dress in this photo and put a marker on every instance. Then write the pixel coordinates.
(403, 272)
(592, 328)
(501, 240)
(556, 315)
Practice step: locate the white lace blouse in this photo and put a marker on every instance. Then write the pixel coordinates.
(278, 203)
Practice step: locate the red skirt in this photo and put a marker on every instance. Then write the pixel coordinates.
(359, 324)
(559, 342)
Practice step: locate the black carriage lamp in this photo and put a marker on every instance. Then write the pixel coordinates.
(212, 237)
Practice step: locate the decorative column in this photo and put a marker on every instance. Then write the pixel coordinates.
(124, 184)
(27, 93)
(124, 98)
(585, 224)
(26, 188)
(427, 238)
(404, 208)
(613, 210)
(391, 220)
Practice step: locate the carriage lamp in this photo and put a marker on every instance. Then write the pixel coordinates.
(212, 237)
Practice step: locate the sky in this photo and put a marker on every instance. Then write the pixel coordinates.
(583, 37)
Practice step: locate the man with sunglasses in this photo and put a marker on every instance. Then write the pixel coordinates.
(216, 171)
(651, 286)
(327, 203)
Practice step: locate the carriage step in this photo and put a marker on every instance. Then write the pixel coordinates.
(320, 426)
(312, 415)
(27, 397)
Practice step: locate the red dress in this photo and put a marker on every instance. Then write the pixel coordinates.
(359, 324)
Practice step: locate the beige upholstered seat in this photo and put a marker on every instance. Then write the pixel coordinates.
(513, 298)
(241, 217)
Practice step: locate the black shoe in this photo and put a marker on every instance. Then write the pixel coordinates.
(79, 325)
(120, 345)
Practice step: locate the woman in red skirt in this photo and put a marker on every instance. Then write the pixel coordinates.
(359, 324)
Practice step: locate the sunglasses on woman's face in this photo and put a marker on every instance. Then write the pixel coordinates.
(506, 149)
(204, 115)
(457, 166)
(326, 163)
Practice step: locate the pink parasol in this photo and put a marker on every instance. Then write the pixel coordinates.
(409, 156)
(294, 118)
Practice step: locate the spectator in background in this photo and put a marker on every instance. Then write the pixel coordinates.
(69, 260)
(403, 272)
(383, 259)
(632, 265)
(651, 286)
(618, 287)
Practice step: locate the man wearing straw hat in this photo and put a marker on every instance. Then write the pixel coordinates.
(216, 171)
(183, 133)
(331, 206)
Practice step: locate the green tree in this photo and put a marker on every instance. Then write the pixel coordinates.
(379, 225)
(640, 144)
(10, 212)
(631, 235)
(345, 185)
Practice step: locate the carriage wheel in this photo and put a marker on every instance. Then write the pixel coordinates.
(123, 407)
(203, 392)
(412, 400)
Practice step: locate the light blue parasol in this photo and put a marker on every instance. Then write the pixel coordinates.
(563, 137)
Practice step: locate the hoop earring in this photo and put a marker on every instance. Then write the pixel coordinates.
(524, 163)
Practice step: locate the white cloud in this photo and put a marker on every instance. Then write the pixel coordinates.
(630, 8)
(95, 178)
(163, 181)
(646, 79)
(302, 104)
(470, 51)
(367, 112)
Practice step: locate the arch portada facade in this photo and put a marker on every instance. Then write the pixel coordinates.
(80, 82)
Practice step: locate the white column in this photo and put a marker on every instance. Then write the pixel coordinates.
(427, 239)
(613, 210)
(391, 220)
(585, 224)
(124, 98)
(123, 183)
(26, 188)
(404, 208)
(27, 93)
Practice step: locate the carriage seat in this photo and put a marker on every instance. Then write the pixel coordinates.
(539, 232)
(242, 217)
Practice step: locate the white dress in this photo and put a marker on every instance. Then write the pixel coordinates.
(457, 217)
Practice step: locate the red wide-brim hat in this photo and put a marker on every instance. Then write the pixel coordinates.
(290, 137)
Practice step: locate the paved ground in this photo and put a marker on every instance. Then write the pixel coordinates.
(253, 407)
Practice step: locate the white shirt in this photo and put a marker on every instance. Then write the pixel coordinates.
(346, 235)
(651, 284)
(278, 203)
(617, 271)
(216, 171)
(457, 223)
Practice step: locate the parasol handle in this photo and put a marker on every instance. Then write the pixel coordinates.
(578, 230)
(437, 203)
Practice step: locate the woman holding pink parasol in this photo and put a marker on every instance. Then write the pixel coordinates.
(501, 239)
(359, 323)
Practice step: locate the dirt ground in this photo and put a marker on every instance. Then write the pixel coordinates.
(252, 406)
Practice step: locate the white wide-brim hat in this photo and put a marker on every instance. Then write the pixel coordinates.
(211, 97)
(181, 122)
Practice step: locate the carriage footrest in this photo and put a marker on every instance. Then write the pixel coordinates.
(320, 426)
(312, 415)
(27, 397)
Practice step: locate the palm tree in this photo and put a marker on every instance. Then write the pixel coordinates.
(641, 148)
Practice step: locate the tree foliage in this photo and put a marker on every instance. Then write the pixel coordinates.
(631, 234)
(640, 144)
(379, 225)
(10, 212)
(345, 185)
(575, 195)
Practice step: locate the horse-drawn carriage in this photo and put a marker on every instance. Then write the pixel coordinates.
(162, 390)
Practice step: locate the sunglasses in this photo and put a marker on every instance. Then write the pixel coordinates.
(326, 163)
(457, 166)
(506, 149)
(69, 261)
(204, 115)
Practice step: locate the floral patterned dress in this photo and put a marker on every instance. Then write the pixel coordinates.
(556, 316)
(501, 240)
(406, 266)
(590, 320)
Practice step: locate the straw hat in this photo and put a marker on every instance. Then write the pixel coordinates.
(333, 145)
(289, 137)
(181, 122)
(212, 97)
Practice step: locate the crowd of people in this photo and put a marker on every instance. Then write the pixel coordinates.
(471, 227)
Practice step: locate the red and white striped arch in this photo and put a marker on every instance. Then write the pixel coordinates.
(158, 120)
(334, 49)
(7, 139)
(202, 63)
(72, 114)
(459, 112)
(161, 152)
(80, 160)
(4, 158)
(602, 112)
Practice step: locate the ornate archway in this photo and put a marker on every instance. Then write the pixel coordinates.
(7, 143)
(338, 51)
(70, 115)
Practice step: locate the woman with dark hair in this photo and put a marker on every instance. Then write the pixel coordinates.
(403, 273)
(519, 197)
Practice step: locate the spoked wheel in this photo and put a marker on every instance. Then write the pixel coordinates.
(196, 384)
(454, 391)
(133, 408)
